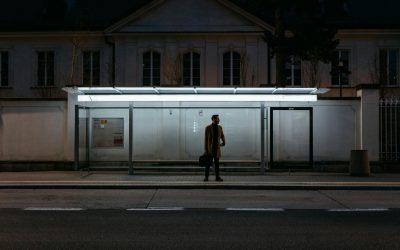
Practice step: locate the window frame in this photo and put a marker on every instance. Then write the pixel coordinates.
(293, 59)
(91, 51)
(340, 51)
(386, 82)
(45, 84)
(8, 70)
(191, 68)
(152, 76)
(231, 68)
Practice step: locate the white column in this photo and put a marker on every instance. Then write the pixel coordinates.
(369, 121)
(70, 122)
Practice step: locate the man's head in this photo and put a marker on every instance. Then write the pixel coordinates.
(215, 119)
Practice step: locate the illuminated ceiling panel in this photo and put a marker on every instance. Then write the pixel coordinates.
(187, 94)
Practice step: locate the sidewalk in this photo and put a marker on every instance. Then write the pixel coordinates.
(268, 181)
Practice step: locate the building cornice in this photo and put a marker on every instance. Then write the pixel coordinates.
(368, 33)
(182, 34)
(52, 34)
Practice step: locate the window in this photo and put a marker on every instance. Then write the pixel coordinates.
(293, 71)
(191, 69)
(388, 66)
(4, 70)
(91, 68)
(151, 68)
(340, 68)
(231, 68)
(45, 68)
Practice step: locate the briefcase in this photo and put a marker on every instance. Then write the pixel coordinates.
(205, 160)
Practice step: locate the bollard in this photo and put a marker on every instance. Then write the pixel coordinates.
(359, 164)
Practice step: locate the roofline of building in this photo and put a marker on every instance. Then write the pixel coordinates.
(156, 3)
(348, 32)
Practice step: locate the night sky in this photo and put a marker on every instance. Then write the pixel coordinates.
(106, 12)
(375, 8)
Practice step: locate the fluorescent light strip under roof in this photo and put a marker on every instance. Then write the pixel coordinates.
(198, 98)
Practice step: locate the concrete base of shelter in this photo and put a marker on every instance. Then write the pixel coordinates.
(181, 167)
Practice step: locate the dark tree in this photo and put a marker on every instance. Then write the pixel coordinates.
(314, 36)
(303, 28)
(279, 44)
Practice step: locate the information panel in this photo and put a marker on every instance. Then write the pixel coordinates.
(108, 132)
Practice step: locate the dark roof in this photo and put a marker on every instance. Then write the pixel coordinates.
(64, 15)
(97, 15)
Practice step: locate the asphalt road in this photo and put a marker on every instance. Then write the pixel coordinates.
(199, 229)
(198, 198)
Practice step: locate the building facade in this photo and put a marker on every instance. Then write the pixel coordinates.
(176, 43)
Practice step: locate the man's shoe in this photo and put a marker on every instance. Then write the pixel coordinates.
(219, 179)
(206, 179)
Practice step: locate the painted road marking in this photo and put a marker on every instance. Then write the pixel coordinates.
(157, 209)
(53, 209)
(256, 209)
(151, 182)
(359, 210)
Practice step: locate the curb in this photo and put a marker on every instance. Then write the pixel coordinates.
(304, 186)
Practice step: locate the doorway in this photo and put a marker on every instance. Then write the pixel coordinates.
(291, 138)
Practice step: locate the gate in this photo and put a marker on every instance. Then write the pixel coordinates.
(389, 130)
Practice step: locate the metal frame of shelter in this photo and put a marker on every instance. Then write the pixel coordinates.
(129, 95)
(310, 131)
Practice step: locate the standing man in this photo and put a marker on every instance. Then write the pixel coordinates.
(212, 144)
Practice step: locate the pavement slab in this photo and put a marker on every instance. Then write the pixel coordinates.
(268, 181)
(242, 199)
(371, 199)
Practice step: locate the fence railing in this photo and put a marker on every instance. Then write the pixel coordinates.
(389, 129)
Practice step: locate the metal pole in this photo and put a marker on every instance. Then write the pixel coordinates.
(88, 138)
(271, 137)
(76, 144)
(340, 83)
(130, 163)
(397, 130)
(311, 139)
(89, 131)
(262, 113)
(380, 129)
(266, 157)
(392, 133)
(386, 129)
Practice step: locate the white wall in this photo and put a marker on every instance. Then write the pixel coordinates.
(129, 53)
(335, 130)
(33, 131)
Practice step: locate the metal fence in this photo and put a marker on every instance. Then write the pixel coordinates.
(389, 129)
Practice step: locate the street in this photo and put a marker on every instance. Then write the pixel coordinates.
(198, 219)
(199, 229)
(198, 198)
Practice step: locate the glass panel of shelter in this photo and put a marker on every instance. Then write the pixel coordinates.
(176, 133)
(103, 133)
(163, 134)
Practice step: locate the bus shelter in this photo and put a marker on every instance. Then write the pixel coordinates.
(165, 125)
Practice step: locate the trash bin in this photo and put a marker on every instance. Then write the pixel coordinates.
(359, 164)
